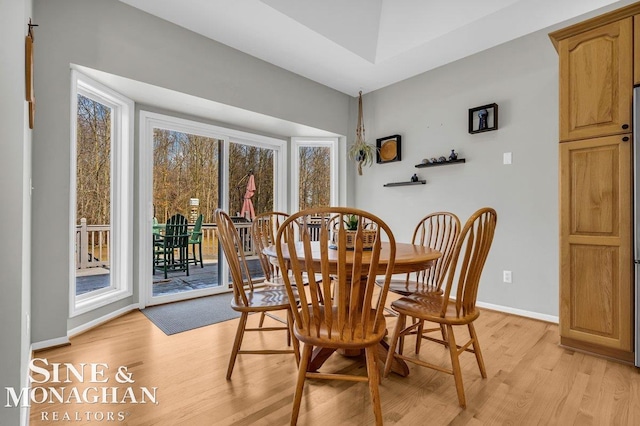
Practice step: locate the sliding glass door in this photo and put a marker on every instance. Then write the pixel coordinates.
(188, 169)
(186, 175)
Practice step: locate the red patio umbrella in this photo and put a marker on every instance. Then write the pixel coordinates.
(247, 205)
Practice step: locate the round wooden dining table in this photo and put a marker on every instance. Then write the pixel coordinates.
(409, 258)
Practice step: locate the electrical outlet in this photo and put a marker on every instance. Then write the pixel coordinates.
(506, 277)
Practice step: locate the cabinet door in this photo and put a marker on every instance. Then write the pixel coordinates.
(596, 295)
(636, 49)
(596, 82)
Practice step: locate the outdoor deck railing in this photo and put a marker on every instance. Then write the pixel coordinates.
(93, 242)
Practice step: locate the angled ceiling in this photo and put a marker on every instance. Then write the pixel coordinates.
(353, 45)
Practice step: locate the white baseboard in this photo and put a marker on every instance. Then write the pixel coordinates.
(98, 321)
(58, 341)
(519, 312)
(36, 346)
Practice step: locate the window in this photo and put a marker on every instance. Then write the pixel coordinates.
(101, 195)
(315, 173)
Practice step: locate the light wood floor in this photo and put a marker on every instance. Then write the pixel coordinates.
(531, 380)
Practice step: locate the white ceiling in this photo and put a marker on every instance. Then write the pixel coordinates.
(353, 45)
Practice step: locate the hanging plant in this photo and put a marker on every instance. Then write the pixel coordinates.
(360, 152)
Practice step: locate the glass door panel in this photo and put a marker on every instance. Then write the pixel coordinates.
(186, 170)
(251, 192)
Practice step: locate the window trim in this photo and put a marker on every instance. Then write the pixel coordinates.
(297, 143)
(121, 247)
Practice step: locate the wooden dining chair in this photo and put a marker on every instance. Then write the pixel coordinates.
(247, 299)
(438, 231)
(263, 230)
(341, 309)
(456, 306)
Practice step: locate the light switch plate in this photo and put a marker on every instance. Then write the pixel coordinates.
(506, 158)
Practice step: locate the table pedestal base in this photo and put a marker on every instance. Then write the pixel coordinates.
(320, 355)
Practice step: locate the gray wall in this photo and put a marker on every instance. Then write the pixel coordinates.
(15, 228)
(430, 112)
(115, 38)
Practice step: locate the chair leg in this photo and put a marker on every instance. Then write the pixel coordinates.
(455, 366)
(393, 342)
(302, 375)
(236, 344)
(186, 258)
(200, 250)
(262, 316)
(374, 378)
(291, 338)
(476, 350)
(419, 336)
(443, 330)
(166, 264)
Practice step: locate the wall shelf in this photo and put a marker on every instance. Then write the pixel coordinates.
(444, 163)
(420, 182)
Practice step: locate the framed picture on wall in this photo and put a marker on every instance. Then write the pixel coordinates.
(483, 118)
(388, 149)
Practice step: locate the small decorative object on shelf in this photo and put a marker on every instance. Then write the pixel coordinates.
(442, 160)
(433, 160)
(453, 156)
(414, 178)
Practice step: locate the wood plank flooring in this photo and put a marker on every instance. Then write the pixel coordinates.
(531, 380)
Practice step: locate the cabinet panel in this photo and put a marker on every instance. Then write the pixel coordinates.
(594, 193)
(595, 242)
(593, 290)
(596, 82)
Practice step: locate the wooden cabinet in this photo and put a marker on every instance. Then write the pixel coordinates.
(636, 49)
(596, 306)
(597, 71)
(596, 81)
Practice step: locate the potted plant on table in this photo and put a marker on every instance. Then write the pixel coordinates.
(351, 224)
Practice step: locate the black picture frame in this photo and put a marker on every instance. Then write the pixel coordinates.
(483, 118)
(388, 149)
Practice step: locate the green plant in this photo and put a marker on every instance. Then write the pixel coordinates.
(362, 153)
(351, 222)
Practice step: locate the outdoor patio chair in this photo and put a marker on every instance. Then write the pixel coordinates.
(174, 240)
(195, 239)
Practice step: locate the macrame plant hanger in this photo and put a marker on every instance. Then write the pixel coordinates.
(360, 134)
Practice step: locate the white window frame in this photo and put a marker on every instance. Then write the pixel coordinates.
(121, 215)
(151, 120)
(297, 143)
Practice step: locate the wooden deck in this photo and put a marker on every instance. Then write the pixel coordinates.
(176, 282)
